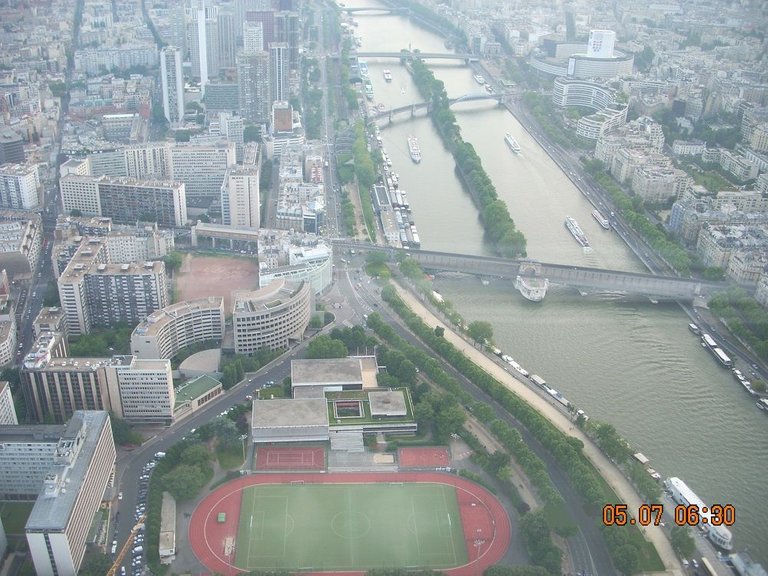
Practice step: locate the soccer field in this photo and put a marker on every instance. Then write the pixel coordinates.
(349, 527)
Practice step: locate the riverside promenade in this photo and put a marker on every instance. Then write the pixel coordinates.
(604, 466)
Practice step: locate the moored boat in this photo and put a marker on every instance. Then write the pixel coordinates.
(512, 143)
(602, 220)
(387, 75)
(533, 288)
(576, 231)
(479, 79)
(763, 404)
(413, 149)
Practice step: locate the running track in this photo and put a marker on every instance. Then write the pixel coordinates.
(206, 535)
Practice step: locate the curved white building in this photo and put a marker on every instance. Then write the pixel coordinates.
(271, 317)
(608, 113)
(175, 327)
(597, 59)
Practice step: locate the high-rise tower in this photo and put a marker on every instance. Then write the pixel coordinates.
(171, 76)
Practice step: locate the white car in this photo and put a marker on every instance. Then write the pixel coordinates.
(119, 495)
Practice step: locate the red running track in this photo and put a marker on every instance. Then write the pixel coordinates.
(487, 532)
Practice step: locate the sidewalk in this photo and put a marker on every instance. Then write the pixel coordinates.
(604, 466)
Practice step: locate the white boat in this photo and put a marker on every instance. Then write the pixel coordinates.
(512, 143)
(479, 79)
(533, 288)
(763, 404)
(576, 231)
(720, 536)
(387, 75)
(413, 149)
(602, 220)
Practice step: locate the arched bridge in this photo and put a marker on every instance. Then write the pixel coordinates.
(375, 115)
(376, 11)
(406, 55)
(586, 279)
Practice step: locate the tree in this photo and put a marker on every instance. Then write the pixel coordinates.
(173, 261)
(195, 455)
(682, 541)
(480, 331)
(184, 481)
(95, 564)
(439, 331)
(123, 432)
(626, 559)
(326, 347)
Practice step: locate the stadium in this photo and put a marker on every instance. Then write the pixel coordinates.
(305, 519)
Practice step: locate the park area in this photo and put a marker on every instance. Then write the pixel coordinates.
(334, 523)
(206, 275)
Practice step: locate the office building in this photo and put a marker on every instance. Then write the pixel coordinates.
(227, 36)
(19, 187)
(240, 193)
(253, 37)
(253, 82)
(600, 44)
(11, 147)
(172, 80)
(83, 465)
(272, 317)
(199, 47)
(222, 97)
(7, 409)
(166, 332)
(279, 64)
(141, 391)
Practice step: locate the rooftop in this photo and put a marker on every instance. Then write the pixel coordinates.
(282, 413)
(53, 508)
(155, 321)
(194, 389)
(330, 371)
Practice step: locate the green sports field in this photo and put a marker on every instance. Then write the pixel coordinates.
(349, 527)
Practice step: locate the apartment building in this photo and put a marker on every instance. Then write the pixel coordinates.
(7, 409)
(83, 465)
(141, 390)
(165, 332)
(125, 200)
(26, 457)
(272, 317)
(20, 187)
(21, 242)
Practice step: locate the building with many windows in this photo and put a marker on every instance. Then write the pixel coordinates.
(165, 332)
(73, 490)
(25, 458)
(272, 317)
(172, 80)
(125, 199)
(21, 242)
(19, 187)
(144, 389)
(93, 292)
(7, 409)
(240, 201)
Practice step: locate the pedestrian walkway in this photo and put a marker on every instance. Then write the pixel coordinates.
(604, 466)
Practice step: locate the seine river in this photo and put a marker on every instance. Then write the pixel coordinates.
(633, 364)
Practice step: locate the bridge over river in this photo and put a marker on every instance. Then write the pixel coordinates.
(581, 278)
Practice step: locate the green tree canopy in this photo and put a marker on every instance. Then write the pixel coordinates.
(480, 331)
(184, 481)
(324, 346)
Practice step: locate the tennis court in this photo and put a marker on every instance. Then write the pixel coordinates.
(349, 526)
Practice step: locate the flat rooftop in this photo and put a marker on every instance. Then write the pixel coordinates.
(194, 389)
(326, 372)
(289, 413)
(387, 403)
(52, 512)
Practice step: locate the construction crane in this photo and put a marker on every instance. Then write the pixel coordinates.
(126, 546)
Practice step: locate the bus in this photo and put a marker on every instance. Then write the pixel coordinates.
(708, 570)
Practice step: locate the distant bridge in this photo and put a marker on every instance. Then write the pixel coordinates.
(373, 116)
(375, 10)
(406, 55)
(582, 278)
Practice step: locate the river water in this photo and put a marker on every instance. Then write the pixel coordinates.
(633, 364)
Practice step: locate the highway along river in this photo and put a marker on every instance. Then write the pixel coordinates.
(633, 364)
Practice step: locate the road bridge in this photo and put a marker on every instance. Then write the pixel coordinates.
(406, 55)
(416, 107)
(579, 277)
(373, 10)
